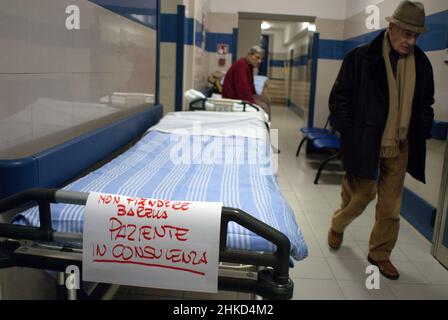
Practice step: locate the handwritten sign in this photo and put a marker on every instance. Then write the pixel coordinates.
(151, 243)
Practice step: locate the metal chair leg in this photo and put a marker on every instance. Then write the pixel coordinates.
(300, 146)
(335, 156)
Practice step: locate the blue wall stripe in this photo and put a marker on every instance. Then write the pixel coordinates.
(435, 39)
(277, 63)
(143, 12)
(300, 61)
(419, 213)
(331, 49)
(199, 35)
(439, 130)
(212, 40)
(169, 34)
(297, 62)
(168, 28)
(352, 43)
(189, 31)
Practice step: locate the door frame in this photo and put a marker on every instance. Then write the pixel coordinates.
(439, 250)
(291, 65)
(265, 39)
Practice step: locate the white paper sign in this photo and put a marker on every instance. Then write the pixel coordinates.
(151, 243)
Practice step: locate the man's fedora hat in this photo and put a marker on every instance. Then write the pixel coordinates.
(410, 15)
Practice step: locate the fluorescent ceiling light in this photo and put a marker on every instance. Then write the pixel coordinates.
(265, 25)
(312, 27)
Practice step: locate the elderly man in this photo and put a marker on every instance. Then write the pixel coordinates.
(239, 80)
(381, 104)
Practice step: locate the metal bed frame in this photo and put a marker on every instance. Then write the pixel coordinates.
(193, 104)
(228, 102)
(46, 249)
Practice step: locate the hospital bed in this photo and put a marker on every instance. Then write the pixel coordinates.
(258, 226)
(197, 101)
(222, 105)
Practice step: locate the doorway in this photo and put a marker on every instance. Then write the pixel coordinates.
(264, 44)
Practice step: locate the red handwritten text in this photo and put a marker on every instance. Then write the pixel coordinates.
(141, 212)
(131, 232)
(126, 253)
(107, 198)
(175, 205)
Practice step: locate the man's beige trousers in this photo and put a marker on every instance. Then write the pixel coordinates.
(357, 193)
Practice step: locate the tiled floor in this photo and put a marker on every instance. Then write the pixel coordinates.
(328, 274)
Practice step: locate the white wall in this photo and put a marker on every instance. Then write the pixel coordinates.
(293, 31)
(168, 62)
(167, 76)
(327, 69)
(356, 16)
(326, 9)
(196, 62)
(356, 6)
(248, 36)
(55, 83)
(277, 51)
(201, 64)
(276, 40)
(331, 9)
(220, 23)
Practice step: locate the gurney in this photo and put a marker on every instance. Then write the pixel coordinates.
(44, 248)
(197, 101)
(245, 238)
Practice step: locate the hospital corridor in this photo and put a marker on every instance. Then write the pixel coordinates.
(254, 152)
(328, 274)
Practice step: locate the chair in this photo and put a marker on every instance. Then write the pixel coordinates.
(332, 145)
(309, 134)
(316, 135)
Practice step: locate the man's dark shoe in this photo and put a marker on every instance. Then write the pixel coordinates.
(335, 239)
(386, 267)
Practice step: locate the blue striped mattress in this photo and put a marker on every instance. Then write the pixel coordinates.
(146, 170)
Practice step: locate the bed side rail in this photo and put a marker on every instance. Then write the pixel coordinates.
(277, 282)
(41, 197)
(199, 104)
(279, 260)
